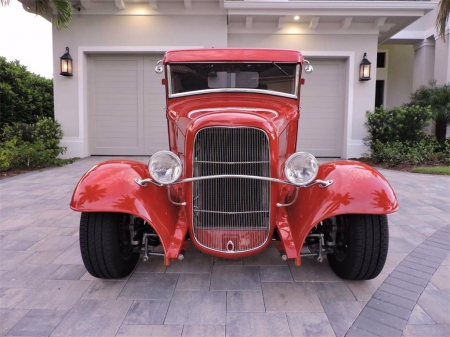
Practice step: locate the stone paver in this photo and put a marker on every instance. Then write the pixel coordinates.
(45, 289)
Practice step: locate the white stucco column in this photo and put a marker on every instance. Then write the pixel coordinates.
(442, 59)
(424, 61)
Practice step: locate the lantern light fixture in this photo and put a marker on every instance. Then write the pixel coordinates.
(364, 69)
(66, 64)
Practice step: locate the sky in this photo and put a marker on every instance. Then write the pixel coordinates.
(27, 38)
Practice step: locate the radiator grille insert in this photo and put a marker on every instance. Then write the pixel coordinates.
(231, 214)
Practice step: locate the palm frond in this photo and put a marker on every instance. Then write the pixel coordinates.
(64, 13)
(442, 17)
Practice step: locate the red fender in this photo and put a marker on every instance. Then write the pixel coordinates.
(110, 187)
(357, 189)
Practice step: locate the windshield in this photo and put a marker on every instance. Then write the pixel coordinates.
(197, 78)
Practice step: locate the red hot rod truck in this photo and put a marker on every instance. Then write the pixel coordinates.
(232, 181)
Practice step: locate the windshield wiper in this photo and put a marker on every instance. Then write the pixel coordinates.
(276, 65)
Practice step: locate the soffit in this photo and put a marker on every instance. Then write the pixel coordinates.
(385, 18)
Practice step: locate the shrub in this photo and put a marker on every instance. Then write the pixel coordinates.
(24, 96)
(438, 99)
(425, 151)
(397, 124)
(32, 145)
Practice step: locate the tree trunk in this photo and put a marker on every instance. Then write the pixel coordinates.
(441, 131)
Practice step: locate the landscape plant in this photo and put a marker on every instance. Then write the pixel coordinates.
(31, 146)
(438, 99)
(396, 136)
(24, 96)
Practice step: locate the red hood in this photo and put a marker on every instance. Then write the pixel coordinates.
(233, 110)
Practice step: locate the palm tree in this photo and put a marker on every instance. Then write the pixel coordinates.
(63, 10)
(442, 17)
(438, 99)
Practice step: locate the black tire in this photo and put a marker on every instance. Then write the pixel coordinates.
(105, 247)
(361, 247)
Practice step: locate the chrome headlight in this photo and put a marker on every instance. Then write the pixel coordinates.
(165, 167)
(301, 168)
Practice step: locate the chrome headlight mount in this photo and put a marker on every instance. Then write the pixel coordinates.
(165, 167)
(301, 168)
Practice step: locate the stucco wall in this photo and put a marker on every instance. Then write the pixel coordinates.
(400, 65)
(123, 32)
(442, 60)
(89, 34)
(363, 93)
(424, 56)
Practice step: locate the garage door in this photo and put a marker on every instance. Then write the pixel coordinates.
(321, 125)
(126, 107)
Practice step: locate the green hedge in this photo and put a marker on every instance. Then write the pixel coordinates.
(396, 137)
(24, 96)
(31, 146)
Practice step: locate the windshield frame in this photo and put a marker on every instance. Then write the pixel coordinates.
(234, 90)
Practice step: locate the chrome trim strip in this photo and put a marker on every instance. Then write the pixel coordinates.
(174, 202)
(235, 90)
(239, 109)
(241, 90)
(322, 183)
(232, 162)
(289, 204)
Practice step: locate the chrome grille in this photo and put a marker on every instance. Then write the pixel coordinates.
(231, 214)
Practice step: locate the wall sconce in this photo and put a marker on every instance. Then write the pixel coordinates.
(66, 64)
(364, 69)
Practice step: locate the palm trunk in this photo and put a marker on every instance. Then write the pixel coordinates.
(441, 131)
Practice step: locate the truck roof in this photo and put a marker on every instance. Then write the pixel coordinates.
(233, 54)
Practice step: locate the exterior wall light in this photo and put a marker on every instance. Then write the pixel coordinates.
(364, 69)
(66, 64)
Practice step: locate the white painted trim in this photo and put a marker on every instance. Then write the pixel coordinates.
(248, 22)
(120, 4)
(82, 75)
(312, 4)
(314, 23)
(424, 43)
(153, 4)
(345, 24)
(349, 56)
(86, 4)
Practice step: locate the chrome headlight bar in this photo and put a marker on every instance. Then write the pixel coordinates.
(300, 169)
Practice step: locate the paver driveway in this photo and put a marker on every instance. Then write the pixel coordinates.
(45, 289)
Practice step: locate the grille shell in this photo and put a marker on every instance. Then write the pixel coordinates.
(231, 215)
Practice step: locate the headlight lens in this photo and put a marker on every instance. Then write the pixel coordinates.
(165, 167)
(301, 168)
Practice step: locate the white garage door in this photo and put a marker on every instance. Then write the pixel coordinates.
(126, 105)
(321, 125)
(126, 114)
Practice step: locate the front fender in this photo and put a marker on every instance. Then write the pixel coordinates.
(357, 189)
(110, 187)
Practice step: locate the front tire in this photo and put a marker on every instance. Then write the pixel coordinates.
(361, 246)
(105, 245)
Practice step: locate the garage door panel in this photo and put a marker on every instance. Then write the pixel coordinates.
(126, 105)
(128, 143)
(117, 121)
(117, 64)
(322, 109)
(115, 105)
(118, 90)
(114, 99)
